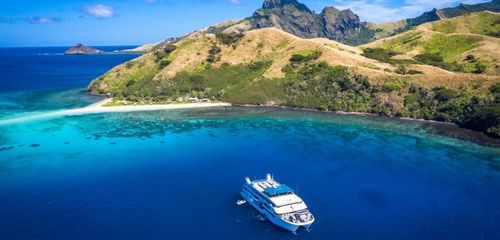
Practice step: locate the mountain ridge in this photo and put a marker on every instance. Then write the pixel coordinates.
(340, 25)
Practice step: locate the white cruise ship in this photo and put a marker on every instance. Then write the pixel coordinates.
(278, 203)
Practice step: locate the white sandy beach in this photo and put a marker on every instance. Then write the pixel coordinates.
(100, 108)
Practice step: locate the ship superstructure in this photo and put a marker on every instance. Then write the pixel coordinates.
(278, 203)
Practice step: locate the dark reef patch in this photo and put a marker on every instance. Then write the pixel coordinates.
(6, 148)
(374, 198)
(494, 165)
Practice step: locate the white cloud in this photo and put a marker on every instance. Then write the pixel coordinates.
(99, 11)
(234, 1)
(379, 11)
(150, 1)
(42, 20)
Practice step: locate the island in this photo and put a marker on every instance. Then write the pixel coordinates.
(441, 66)
(82, 49)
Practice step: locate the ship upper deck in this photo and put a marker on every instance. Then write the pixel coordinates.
(279, 194)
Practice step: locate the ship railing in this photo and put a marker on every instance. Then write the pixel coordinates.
(303, 216)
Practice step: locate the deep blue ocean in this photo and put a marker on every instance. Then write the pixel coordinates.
(176, 174)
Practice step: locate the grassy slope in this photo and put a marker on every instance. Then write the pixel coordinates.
(270, 66)
(453, 40)
(484, 23)
(258, 45)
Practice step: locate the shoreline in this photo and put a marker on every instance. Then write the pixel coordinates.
(347, 113)
(100, 107)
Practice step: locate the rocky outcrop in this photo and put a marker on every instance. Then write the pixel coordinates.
(295, 18)
(82, 49)
(430, 16)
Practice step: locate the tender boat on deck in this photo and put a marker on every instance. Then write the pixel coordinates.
(278, 203)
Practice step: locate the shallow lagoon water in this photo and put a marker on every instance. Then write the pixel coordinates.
(176, 175)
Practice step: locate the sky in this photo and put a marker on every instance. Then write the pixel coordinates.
(135, 22)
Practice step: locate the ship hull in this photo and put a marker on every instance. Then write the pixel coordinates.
(273, 218)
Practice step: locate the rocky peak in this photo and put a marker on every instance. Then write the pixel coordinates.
(430, 16)
(295, 18)
(334, 12)
(330, 10)
(277, 4)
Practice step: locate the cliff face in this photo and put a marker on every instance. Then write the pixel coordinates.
(295, 18)
(82, 49)
(339, 24)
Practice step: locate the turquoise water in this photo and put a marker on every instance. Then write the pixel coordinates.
(176, 174)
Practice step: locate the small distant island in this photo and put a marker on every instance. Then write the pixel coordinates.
(82, 49)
